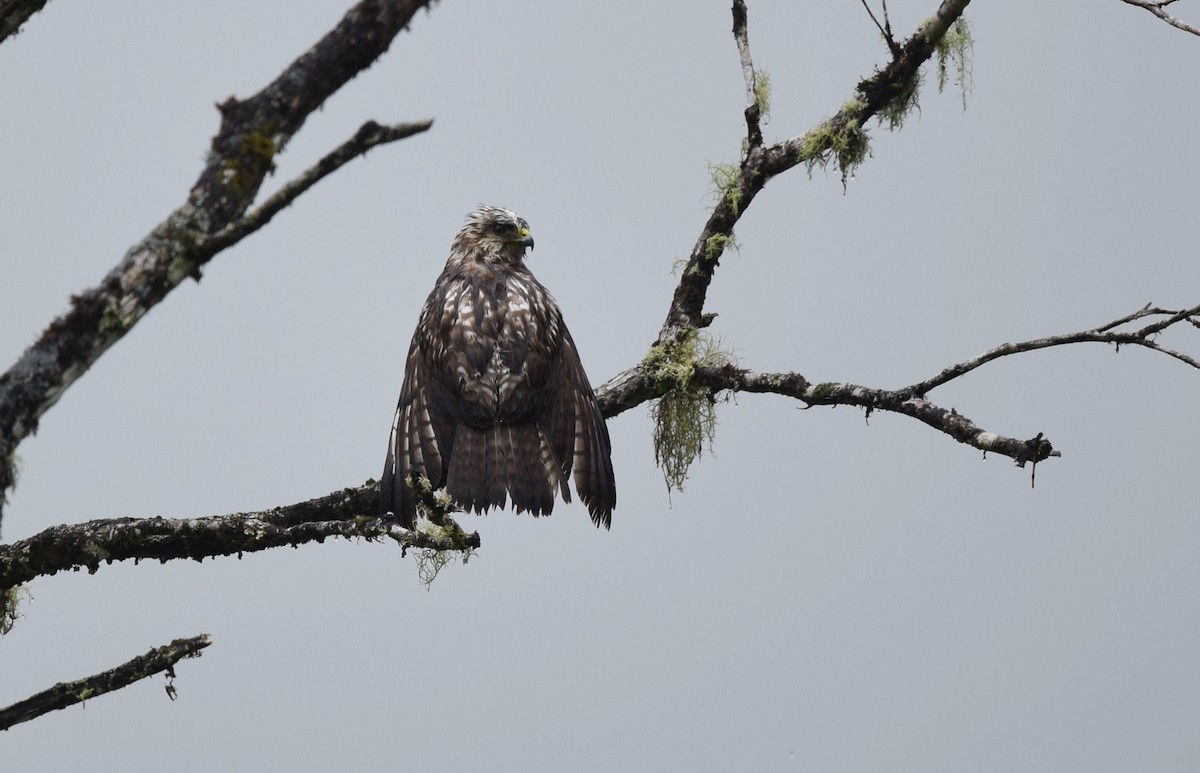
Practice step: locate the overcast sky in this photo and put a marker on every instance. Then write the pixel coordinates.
(827, 594)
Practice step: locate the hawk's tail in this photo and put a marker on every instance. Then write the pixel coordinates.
(493, 464)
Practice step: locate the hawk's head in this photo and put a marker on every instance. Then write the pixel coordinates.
(494, 234)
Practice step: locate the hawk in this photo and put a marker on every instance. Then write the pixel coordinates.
(495, 403)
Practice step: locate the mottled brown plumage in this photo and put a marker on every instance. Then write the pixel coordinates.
(495, 403)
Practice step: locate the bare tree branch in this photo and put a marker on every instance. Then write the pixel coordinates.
(65, 694)
(1156, 7)
(1104, 334)
(637, 385)
(900, 401)
(252, 132)
(348, 513)
(14, 13)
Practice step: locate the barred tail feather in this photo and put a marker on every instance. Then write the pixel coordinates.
(491, 465)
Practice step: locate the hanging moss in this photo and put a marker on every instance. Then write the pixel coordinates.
(685, 417)
(955, 49)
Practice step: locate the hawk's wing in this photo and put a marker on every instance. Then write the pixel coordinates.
(579, 435)
(422, 436)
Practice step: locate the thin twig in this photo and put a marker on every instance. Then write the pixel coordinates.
(64, 694)
(1156, 7)
(885, 29)
(368, 136)
(1104, 334)
(754, 100)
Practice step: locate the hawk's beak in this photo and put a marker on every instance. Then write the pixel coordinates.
(526, 238)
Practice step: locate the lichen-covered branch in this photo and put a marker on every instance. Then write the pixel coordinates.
(253, 131)
(636, 386)
(14, 13)
(841, 139)
(64, 694)
(900, 401)
(1156, 7)
(348, 513)
(756, 82)
(640, 384)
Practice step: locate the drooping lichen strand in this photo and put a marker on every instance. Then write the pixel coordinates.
(685, 417)
(683, 423)
(893, 113)
(955, 47)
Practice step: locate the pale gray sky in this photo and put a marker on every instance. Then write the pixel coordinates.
(826, 595)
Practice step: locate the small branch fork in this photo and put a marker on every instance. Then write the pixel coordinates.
(60, 696)
(885, 29)
(1156, 7)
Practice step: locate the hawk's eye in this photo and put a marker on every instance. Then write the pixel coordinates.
(501, 228)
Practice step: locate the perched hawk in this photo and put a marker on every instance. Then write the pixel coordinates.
(495, 403)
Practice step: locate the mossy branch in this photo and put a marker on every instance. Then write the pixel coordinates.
(60, 696)
(348, 513)
(840, 139)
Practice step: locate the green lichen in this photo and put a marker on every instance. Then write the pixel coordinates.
(431, 562)
(903, 102)
(10, 600)
(824, 390)
(254, 159)
(955, 48)
(112, 323)
(762, 95)
(841, 139)
(726, 184)
(433, 520)
(179, 269)
(716, 245)
(684, 417)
